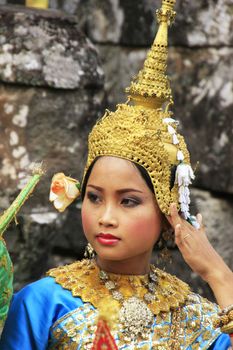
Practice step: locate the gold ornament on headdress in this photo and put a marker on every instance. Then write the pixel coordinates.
(152, 87)
(143, 130)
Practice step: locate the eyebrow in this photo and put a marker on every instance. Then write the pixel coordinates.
(123, 190)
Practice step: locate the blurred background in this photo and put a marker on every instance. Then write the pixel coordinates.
(62, 65)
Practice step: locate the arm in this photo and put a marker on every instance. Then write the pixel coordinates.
(32, 313)
(223, 343)
(202, 258)
(29, 320)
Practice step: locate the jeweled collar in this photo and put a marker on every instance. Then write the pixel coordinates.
(82, 279)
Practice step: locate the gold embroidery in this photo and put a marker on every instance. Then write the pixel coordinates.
(173, 328)
(82, 278)
(163, 333)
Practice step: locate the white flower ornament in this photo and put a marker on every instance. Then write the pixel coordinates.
(63, 191)
(184, 177)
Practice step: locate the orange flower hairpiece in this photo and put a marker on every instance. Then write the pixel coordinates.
(63, 191)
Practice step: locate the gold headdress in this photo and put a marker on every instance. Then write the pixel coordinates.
(143, 131)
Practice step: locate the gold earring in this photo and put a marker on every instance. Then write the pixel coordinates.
(89, 252)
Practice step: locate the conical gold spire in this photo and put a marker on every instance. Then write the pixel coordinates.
(151, 87)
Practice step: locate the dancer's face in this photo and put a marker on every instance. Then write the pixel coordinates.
(120, 216)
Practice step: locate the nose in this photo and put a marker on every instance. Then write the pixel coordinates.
(108, 217)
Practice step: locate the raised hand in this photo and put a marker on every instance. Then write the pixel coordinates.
(202, 257)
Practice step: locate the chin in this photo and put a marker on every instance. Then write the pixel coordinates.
(113, 255)
(109, 256)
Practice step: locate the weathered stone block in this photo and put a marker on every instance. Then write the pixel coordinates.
(203, 23)
(120, 65)
(203, 93)
(217, 212)
(132, 22)
(36, 50)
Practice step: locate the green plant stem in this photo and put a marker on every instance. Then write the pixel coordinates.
(11, 212)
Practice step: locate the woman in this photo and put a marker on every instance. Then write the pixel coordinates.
(136, 178)
(122, 221)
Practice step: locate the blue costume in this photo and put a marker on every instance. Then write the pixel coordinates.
(44, 315)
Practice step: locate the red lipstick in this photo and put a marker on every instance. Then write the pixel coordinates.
(107, 239)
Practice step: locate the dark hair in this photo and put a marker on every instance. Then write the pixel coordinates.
(142, 171)
(88, 173)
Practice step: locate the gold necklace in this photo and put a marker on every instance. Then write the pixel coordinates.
(135, 316)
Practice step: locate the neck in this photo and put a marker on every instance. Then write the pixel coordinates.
(131, 266)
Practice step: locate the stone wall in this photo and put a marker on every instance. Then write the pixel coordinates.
(51, 93)
(200, 66)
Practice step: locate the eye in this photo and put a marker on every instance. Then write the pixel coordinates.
(93, 197)
(130, 202)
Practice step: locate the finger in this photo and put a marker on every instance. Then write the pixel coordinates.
(178, 234)
(174, 215)
(182, 236)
